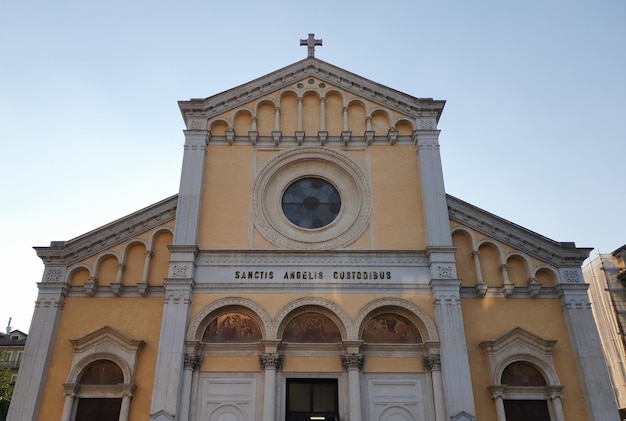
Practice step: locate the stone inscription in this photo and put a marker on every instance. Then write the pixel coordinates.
(312, 275)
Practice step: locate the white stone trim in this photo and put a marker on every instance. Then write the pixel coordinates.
(343, 172)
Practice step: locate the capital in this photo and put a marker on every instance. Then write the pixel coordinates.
(270, 361)
(352, 361)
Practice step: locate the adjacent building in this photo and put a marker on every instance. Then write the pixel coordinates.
(11, 350)
(606, 274)
(312, 267)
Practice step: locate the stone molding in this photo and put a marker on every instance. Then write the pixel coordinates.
(335, 258)
(198, 109)
(529, 242)
(520, 345)
(72, 251)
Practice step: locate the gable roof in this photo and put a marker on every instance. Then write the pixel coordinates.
(310, 67)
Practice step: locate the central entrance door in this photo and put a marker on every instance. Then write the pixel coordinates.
(312, 400)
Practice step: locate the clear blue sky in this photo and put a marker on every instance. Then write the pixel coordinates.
(534, 128)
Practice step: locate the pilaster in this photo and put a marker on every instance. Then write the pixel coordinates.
(31, 378)
(457, 383)
(433, 189)
(592, 369)
(190, 190)
(168, 380)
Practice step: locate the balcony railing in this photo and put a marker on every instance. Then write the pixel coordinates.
(10, 364)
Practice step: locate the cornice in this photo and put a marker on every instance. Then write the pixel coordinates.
(313, 67)
(68, 252)
(559, 254)
(410, 258)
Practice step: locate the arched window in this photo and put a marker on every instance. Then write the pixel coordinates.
(94, 381)
(525, 384)
(526, 399)
(100, 383)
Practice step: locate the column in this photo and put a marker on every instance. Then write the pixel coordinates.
(31, 378)
(497, 394)
(277, 119)
(354, 363)
(270, 363)
(508, 287)
(322, 114)
(299, 113)
(146, 266)
(125, 409)
(67, 406)
(191, 365)
(480, 287)
(555, 397)
(583, 333)
(433, 364)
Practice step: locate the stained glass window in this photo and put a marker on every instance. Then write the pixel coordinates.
(311, 203)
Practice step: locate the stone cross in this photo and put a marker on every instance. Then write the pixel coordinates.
(311, 42)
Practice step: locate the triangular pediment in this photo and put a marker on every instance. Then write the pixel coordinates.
(301, 77)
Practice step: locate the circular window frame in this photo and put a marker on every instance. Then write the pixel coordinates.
(343, 172)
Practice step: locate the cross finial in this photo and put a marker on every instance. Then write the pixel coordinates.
(311, 42)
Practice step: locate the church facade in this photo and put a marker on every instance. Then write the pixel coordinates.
(312, 267)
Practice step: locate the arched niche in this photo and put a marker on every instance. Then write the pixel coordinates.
(78, 276)
(546, 277)
(134, 263)
(216, 316)
(518, 270)
(160, 257)
(491, 264)
(419, 318)
(311, 117)
(106, 269)
(380, 122)
(242, 123)
(219, 127)
(404, 127)
(288, 113)
(265, 115)
(465, 265)
(330, 310)
(357, 115)
(334, 113)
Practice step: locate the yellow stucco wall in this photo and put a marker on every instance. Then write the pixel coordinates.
(397, 198)
(487, 319)
(137, 318)
(226, 198)
(226, 222)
